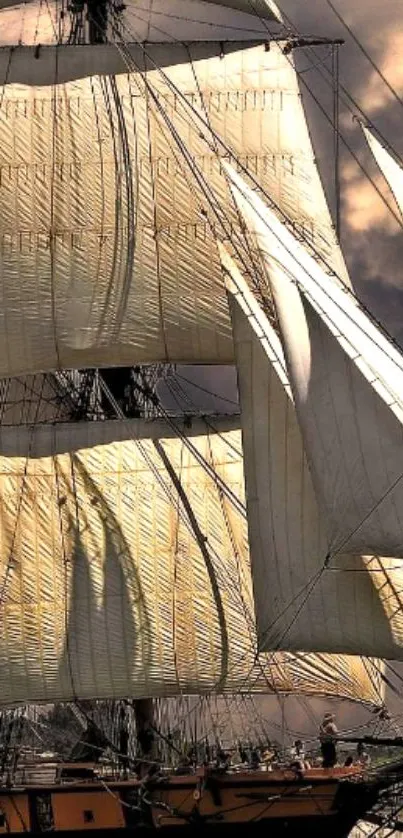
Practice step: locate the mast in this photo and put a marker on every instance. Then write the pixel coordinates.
(145, 718)
(97, 13)
(124, 384)
(89, 21)
(141, 299)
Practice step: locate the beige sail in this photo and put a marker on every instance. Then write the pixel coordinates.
(347, 381)
(110, 588)
(392, 172)
(298, 605)
(352, 437)
(107, 247)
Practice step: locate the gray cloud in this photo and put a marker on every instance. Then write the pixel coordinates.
(372, 240)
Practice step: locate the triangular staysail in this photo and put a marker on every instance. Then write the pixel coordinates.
(392, 172)
(348, 424)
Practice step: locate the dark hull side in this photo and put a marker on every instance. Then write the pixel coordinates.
(319, 804)
(315, 827)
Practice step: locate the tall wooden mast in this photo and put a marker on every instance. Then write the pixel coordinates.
(97, 14)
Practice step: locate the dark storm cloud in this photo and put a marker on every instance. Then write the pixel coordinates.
(372, 239)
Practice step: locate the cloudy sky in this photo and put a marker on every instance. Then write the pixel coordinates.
(372, 239)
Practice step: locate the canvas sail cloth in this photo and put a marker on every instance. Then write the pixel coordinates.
(345, 382)
(392, 172)
(107, 255)
(105, 589)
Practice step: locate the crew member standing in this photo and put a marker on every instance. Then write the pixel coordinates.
(327, 735)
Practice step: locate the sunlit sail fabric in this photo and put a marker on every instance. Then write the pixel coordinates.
(347, 381)
(392, 172)
(108, 588)
(287, 531)
(108, 255)
(348, 424)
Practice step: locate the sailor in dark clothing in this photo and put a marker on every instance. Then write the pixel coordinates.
(255, 759)
(327, 735)
(223, 760)
(243, 754)
(124, 750)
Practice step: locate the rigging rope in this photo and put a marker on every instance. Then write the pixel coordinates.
(326, 75)
(237, 503)
(206, 390)
(252, 648)
(365, 52)
(205, 187)
(336, 123)
(195, 170)
(10, 558)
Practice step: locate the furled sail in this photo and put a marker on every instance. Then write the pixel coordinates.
(34, 22)
(392, 172)
(260, 8)
(107, 242)
(38, 48)
(110, 588)
(347, 419)
(25, 66)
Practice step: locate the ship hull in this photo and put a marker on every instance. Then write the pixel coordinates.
(323, 802)
(269, 828)
(277, 803)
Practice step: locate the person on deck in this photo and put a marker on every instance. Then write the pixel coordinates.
(123, 758)
(363, 757)
(255, 759)
(298, 760)
(327, 736)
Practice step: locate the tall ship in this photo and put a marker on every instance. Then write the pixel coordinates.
(161, 206)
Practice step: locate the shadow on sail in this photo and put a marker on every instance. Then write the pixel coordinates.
(107, 631)
(73, 436)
